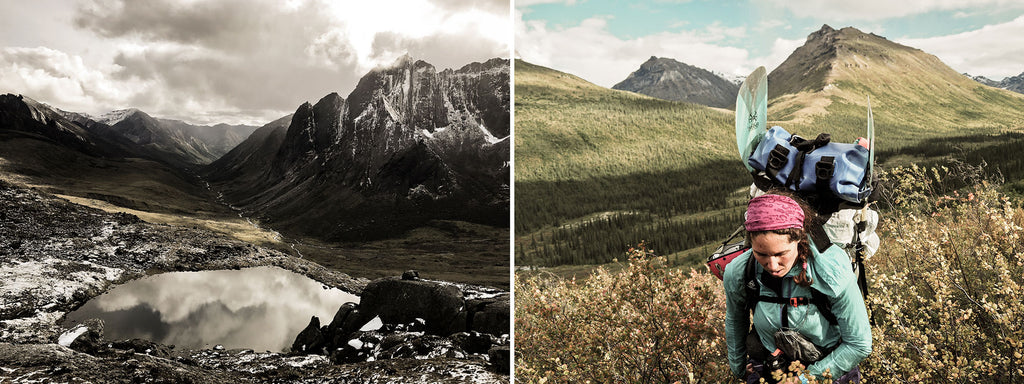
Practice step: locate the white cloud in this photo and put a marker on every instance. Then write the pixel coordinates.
(590, 51)
(418, 20)
(233, 61)
(781, 49)
(866, 10)
(62, 79)
(994, 51)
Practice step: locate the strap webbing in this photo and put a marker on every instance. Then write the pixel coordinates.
(777, 159)
(823, 171)
(753, 290)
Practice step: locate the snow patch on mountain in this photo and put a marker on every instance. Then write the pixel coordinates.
(490, 137)
(430, 135)
(116, 116)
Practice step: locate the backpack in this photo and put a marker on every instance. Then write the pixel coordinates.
(836, 180)
(818, 165)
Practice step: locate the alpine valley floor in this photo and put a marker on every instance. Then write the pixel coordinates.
(56, 255)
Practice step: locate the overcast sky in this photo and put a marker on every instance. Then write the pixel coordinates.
(232, 61)
(603, 41)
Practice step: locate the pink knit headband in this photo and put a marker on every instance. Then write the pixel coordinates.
(770, 212)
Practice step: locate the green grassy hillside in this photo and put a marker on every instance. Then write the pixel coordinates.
(914, 96)
(599, 169)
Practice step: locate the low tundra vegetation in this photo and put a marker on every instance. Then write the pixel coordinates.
(946, 299)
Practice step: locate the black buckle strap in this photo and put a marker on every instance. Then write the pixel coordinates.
(804, 147)
(793, 301)
(777, 159)
(798, 171)
(753, 293)
(823, 171)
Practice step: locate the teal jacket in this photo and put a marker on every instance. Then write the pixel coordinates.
(833, 277)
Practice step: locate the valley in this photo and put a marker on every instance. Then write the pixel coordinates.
(408, 176)
(370, 194)
(582, 149)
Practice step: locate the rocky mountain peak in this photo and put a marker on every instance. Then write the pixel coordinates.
(1012, 83)
(669, 79)
(829, 54)
(116, 116)
(21, 113)
(408, 144)
(496, 64)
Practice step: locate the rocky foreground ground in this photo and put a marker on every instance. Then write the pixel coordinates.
(55, 256)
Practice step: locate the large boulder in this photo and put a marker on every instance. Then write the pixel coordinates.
(398, 301)
(346, 321)
(310, 340)
(86, 338)
(490, 315)
(500, 357)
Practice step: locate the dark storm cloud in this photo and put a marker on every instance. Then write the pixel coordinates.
(210, 61)
(251, 55)
(207, 23)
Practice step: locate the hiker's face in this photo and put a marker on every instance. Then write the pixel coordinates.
(775, 252)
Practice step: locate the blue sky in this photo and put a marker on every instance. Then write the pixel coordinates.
(603, 41)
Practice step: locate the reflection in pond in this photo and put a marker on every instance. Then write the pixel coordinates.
(262, 308)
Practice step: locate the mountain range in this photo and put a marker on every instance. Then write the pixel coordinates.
(597, 164)
(1012, 83)
(669, 79)
(123, 133)
(409, 144)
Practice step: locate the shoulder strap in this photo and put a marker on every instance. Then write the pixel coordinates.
(824, 305)
(862, 279)
(753, 291)
(750, 284)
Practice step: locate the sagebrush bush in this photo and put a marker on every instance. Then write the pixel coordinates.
(645, 324)
(946, 286)
(946, 297)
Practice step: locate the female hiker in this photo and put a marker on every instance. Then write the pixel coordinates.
(806, 305)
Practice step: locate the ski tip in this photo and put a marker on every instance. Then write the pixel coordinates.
(755, 78)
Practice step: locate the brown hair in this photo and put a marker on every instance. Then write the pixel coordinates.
(803, 246)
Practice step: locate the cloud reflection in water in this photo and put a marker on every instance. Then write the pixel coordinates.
(262, 308)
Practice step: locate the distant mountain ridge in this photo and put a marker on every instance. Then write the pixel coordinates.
(1013, 83)
(408, 144)
(668, 79)
(585, 149)
(123, 133)
(26, 116)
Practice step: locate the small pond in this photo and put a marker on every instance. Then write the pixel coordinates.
(262, 308)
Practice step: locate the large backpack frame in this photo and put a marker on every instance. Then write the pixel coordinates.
(819, 190)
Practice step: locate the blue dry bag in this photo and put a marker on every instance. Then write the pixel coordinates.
(813, 165)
